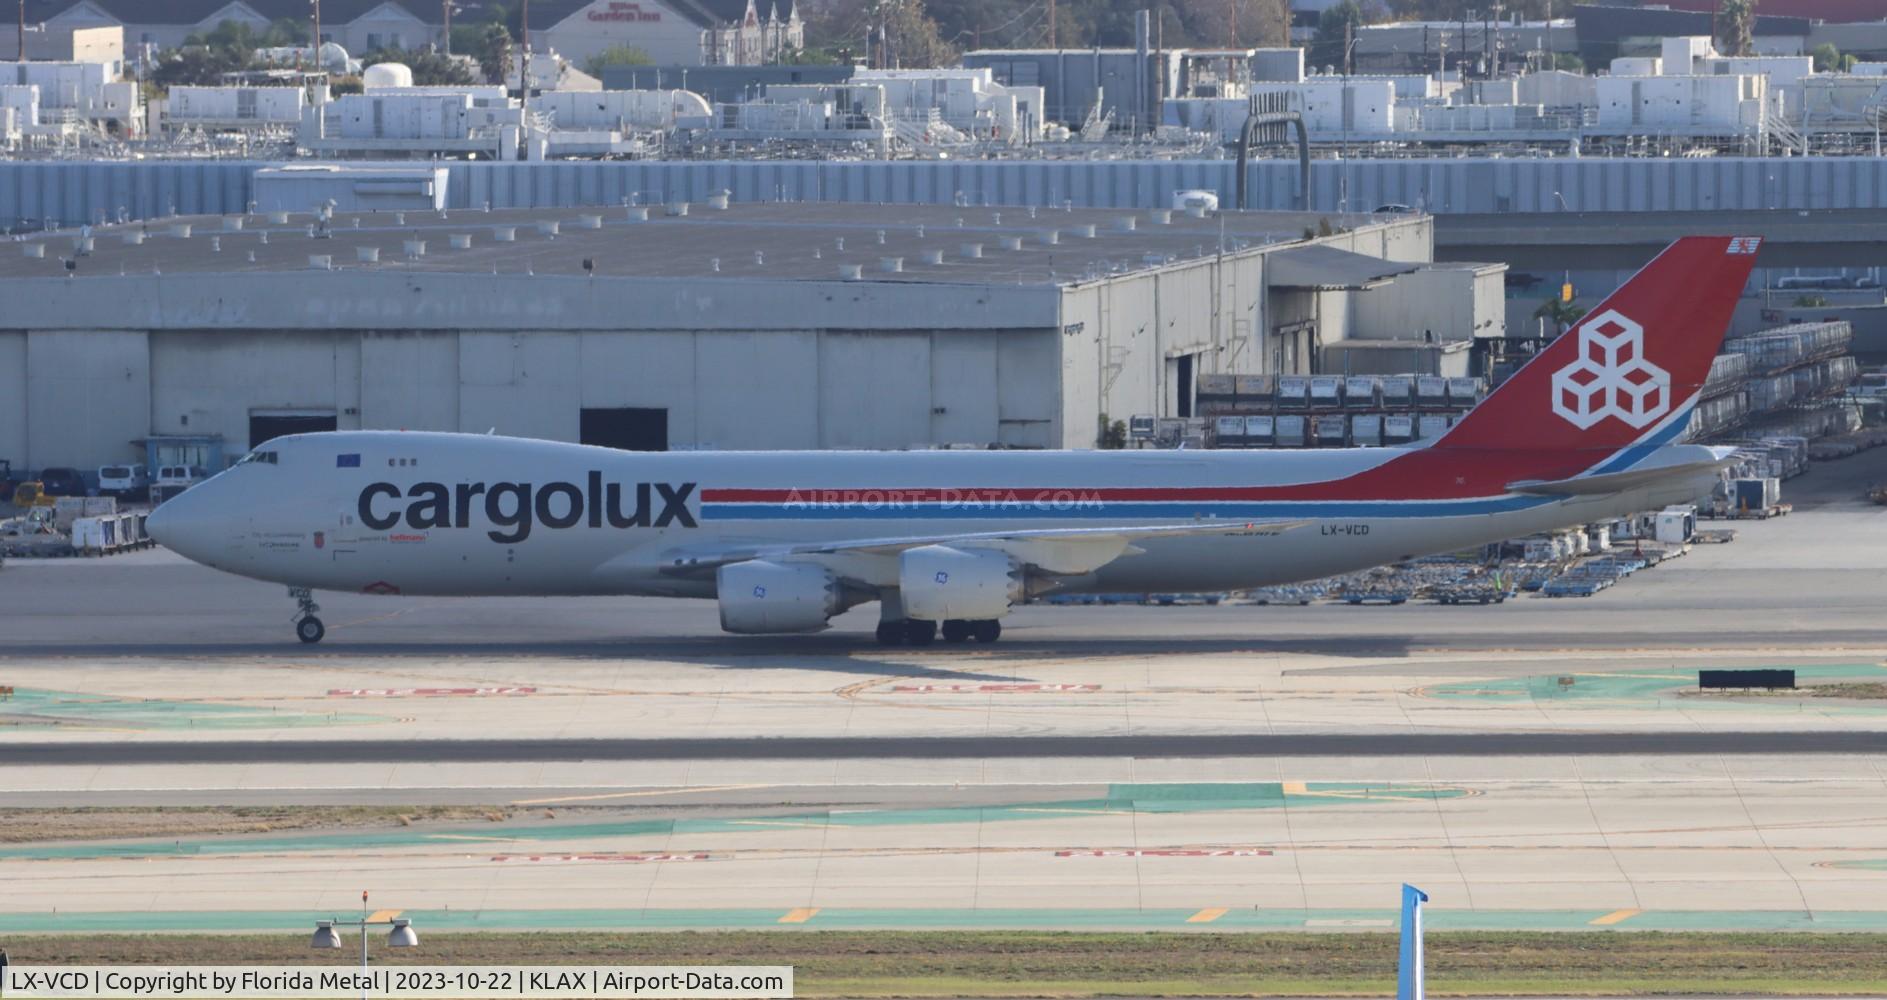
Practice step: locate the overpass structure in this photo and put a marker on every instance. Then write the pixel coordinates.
(1849, 237)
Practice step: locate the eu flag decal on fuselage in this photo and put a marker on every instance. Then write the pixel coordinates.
(347, 461)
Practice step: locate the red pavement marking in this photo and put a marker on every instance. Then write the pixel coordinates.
(480, 692)
(1225, 853)
(995, 688)
(622, 858)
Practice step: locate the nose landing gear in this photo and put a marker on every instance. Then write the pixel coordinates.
(308, 628)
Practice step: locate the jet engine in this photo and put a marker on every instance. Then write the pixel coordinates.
(940, 583)
(759, 596)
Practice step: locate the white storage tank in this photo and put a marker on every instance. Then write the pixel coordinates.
(383, 75)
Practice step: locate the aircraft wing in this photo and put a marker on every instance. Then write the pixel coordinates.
(1065, 551)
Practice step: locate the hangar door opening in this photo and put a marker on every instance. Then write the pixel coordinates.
(631, 428)
(267, 425)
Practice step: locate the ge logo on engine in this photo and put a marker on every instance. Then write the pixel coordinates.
(943, 577)
(1611, 377)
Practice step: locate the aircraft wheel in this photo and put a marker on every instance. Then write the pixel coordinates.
(890, 633)
(919, 633)
(310, 629)
(956, 630)
(987, 630)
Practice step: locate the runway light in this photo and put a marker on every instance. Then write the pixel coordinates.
(403, 935)
(325, 936)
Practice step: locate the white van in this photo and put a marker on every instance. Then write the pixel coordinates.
(174, 479)
(126, 482)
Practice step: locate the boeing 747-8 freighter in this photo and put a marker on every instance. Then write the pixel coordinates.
(950, 541)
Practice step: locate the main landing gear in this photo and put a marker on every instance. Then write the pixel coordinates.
(308, 628)
(913, 632)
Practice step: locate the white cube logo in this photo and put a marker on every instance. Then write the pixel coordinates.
(1611, 377)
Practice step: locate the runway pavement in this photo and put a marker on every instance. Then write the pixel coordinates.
(950, 747)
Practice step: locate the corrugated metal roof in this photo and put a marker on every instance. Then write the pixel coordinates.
(1327, 268)
(782, 242)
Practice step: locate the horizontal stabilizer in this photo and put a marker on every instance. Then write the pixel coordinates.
(1611, 482)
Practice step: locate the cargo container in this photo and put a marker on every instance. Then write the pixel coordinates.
(1366, 430)
(1260, 389)
(1332, 431)
(1291, 431)
(1430, 425)
(1362, 392)
(1675, 525)
(1398, 391)
(1293, 392)
(1398, 428)
(1431, 392)
(1260, 432)
(1326, 392)
(1229, 432)
(1464, 392)
(1216, 387)
(1757, 494)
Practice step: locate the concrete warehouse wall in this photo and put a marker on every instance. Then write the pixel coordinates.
(91, 393)
(88, 393)
(70, 193)
(13, 402)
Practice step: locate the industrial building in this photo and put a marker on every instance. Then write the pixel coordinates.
(703, 325)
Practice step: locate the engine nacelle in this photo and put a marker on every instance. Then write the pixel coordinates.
(758, 596)
(938, 583)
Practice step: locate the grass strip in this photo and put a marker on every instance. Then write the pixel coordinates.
(989, 964)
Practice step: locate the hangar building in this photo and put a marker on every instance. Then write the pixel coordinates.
(705, 326)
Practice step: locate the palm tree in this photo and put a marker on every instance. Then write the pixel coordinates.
(1563, 313)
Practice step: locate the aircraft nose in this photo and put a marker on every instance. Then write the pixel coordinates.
(185, 525)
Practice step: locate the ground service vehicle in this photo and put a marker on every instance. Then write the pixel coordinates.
(62, 482)
(126, 482)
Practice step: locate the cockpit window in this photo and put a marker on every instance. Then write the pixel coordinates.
(267, 457)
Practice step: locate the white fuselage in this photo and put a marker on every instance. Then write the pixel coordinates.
(453, 514)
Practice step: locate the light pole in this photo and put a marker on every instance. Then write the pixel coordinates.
(401, 936)
(1562, 201)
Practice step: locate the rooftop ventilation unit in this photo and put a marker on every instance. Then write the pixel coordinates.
(718, 201)
(676, 208)
(1012, 243)
(589, 222)
(549, 227)
(1050, 237)
(36, 251)
(891, 265)
(505, 234)
(461, 241)
(1084, 231)
(232, 223)
(181, 230)
(415, 249)
(638, 213)
(278, 218)
(133, 237)
(1126, 224)
(1160, 217)
(851, 272)
(320, 262)
(367, 255)
(933, 256)
(972, 249)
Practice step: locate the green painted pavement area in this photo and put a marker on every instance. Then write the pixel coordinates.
(1655, 687)
(36, 709)
(1149, 798)
(1435, 918)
